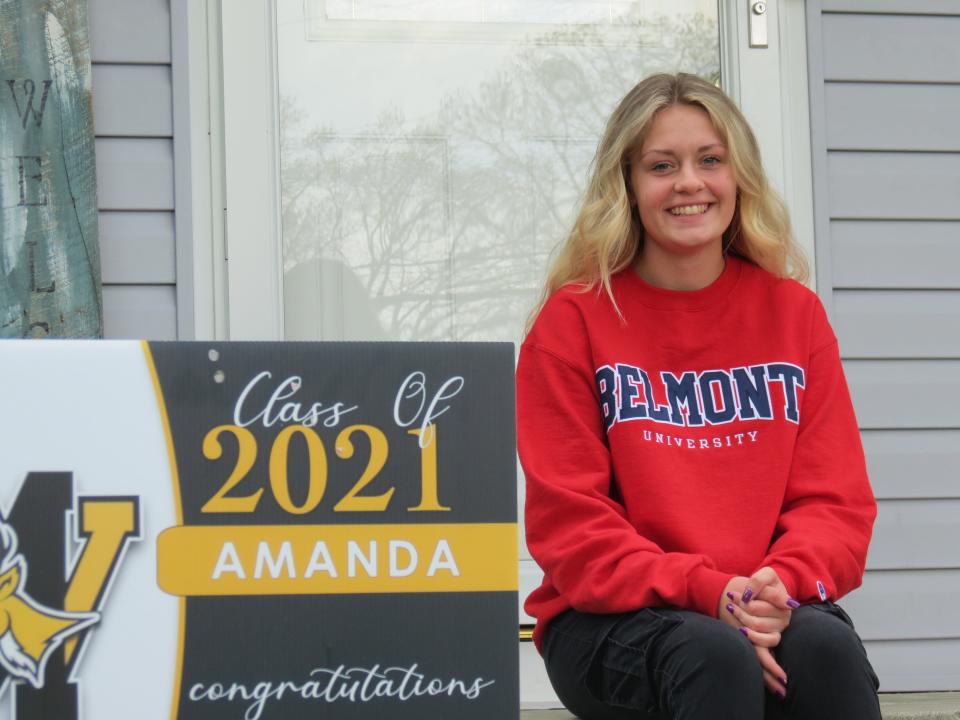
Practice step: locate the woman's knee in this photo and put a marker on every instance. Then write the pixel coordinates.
(821, 639)
(829, 672)
(725, 647)
(708, 647)
(708, 664)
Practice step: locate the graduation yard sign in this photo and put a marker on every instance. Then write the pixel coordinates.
(251, 531)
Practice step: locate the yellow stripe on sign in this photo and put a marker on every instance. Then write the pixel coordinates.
(335, 559)
(178, 509)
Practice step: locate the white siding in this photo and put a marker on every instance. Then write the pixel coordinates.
(894, 186)
(137, 248)
(129, 31)
(915, 394)
(133, 123)
(133, 100)
(916, 7)
(891, 48)
(853, 107)
(894, 324)
(909, 254)
(135, 173)
(881, 608)
(913, 463)
(140, 311)
(885, 112)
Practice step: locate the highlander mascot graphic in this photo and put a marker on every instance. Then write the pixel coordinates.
(29, 632)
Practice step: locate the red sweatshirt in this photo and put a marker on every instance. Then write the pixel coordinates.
(706, 435)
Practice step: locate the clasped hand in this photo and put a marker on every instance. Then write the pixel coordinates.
(760, 607)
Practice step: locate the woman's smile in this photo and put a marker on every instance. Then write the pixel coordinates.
(689, 210)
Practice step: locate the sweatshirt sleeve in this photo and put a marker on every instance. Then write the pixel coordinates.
(828, 511)
(576, 531)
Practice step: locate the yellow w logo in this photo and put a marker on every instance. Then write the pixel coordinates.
(30, 632)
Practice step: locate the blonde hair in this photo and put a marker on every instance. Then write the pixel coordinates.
(607, 235)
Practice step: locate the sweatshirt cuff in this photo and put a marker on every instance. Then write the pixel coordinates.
(788, 579)
(706, 585)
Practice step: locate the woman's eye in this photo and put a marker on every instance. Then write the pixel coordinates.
(711, 160)
(661, 166)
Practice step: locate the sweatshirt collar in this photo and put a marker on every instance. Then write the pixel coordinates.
(690, 300)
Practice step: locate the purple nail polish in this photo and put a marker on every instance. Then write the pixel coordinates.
(781, 694)
(730, 595)
(792, 604)
(730, 608)
(747, 594)
(783, 680)
(745, 633)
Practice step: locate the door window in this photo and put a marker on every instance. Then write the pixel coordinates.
(432, 152)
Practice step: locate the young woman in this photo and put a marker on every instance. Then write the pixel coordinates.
(696, 488)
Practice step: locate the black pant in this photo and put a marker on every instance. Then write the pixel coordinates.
(669, 664)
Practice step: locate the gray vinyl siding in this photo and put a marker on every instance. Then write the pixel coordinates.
(133, 122)
(885, 126)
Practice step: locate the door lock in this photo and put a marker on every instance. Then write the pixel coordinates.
(758, 24)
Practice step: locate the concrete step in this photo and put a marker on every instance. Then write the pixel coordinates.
(928, 706)
(895, 706)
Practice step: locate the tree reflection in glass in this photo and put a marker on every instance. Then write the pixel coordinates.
(425, 208)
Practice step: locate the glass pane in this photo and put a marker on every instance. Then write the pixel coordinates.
(433, 151)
